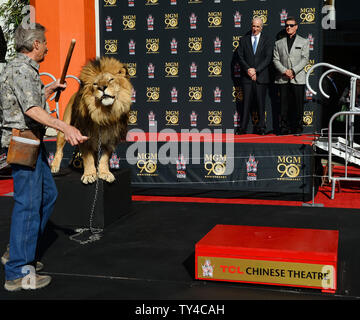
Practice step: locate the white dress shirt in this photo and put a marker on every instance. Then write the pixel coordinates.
(253, 39)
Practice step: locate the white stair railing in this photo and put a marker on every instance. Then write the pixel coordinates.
(343, 148)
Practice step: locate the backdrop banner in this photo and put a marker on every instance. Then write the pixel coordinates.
(219, 169)
(241, 168)
(181, 56)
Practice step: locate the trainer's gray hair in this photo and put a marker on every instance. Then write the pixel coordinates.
(25, 37)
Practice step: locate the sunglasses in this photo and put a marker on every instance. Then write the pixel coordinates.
(290, 25)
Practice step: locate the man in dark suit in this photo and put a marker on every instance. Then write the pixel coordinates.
(255, 56)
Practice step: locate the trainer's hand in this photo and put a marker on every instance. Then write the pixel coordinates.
(74, 136)
(56, 85)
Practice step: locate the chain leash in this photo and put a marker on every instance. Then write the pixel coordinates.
(95, 233)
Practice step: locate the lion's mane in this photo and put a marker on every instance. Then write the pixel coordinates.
(90, 116)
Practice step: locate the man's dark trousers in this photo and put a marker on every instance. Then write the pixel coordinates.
(254, 92)
(292, 107)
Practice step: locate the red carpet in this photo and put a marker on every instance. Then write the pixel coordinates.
(6, 186)
(346, 199)
(347, 196)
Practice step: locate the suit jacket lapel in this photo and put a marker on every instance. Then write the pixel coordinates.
(250, 44)
(260, 44)
(284, 41)
(296, 43)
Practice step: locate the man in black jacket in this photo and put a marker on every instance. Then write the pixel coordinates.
(255, 54)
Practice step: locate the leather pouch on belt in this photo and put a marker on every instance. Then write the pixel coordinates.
(24, 148)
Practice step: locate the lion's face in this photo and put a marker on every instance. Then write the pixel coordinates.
(106, 89)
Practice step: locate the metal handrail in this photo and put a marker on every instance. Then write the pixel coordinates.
(353, 79)
(53, 96)
(333, 69)
(349, 129)
(331, 177)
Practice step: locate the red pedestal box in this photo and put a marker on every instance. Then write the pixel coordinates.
(267, 255)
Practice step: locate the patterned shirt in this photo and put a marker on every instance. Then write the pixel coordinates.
(20, 89)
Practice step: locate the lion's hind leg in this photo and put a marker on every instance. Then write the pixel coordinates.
(103, 169)
(60, 140)
(60, 143)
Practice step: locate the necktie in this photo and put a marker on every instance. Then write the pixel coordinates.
(255, 44)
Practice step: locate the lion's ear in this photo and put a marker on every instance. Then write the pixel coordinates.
(124, 72)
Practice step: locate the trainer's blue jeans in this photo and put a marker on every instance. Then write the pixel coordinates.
(35, 194)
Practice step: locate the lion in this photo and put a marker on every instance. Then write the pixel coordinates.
(100, 110)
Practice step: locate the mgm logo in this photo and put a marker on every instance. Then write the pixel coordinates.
(289, 167)
(195, 44)
(195, 94)
(171, 69)
(151, 2)
(215, 118)
(171, 20)
(215, 68)
(133, 115)
(307, 15)
(308, 118)
(111, 46)
(153, 94)
(214, 19)
(237, 94)
(109, 3)
(129, 22)
(262, 14)
(215, 165)
(131, 66)
(172, 117)
(152, 45)
(147, 164)
(235, 42)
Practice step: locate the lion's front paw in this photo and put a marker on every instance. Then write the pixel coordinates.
(55, 169)
(107, 176)
(55, 166)
(88, 178)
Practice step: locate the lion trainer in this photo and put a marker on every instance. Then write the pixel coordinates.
(23, 102)
(100, 109)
